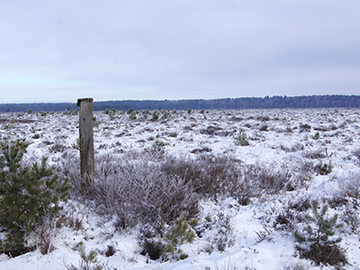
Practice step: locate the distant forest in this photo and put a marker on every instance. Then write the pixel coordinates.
(319, 101)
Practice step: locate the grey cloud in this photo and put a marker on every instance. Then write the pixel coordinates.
(180, 49)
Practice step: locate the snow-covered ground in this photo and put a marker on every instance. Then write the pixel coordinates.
(282, 139)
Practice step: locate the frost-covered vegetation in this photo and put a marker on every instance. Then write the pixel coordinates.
(216, 189)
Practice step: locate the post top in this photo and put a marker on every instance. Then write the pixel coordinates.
(83, 99)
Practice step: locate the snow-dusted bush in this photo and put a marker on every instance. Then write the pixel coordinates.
(184, 167)
(357, 154)
(305, 127)
(351, 187)
(170, 185)
(69, 166)
(296, 266)
(221, 236)
(217, 174)
(285, 220)
(58, 147)
(350, 217)
(210, 175)
(44, 233)
(138, 191)
(254, 181)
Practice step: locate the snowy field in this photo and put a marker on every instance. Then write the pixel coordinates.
(314, 152)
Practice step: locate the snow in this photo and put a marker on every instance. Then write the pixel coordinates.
(182, 133)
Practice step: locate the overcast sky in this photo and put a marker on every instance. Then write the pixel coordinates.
(58, 51)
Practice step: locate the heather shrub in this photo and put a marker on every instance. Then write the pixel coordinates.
(210, 130)
(357, 154)
(264, 234)
(254, 181)
(351, 187)
(69, 166)
(222, 232)
(351, 217)
(305, 128)
(211, 176)
(119, 185)
(57, 148)
(318, 154)
(216, 175)
(296, 266)
(219, 176)
(169, 185)
(184, 167)
(269, 180)
(44, 233)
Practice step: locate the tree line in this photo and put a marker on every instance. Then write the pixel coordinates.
(314, 101)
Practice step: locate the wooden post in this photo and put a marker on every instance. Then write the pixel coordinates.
(86, 139)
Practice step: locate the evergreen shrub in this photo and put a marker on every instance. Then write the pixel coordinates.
(28, 195)
(88, 260)
(241, 139)
(318, 241)
(168, 247)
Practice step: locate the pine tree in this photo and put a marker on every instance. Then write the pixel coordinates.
(178, 235)
(26, 194)
(318, 241)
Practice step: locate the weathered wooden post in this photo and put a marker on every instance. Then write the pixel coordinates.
(86, 139)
